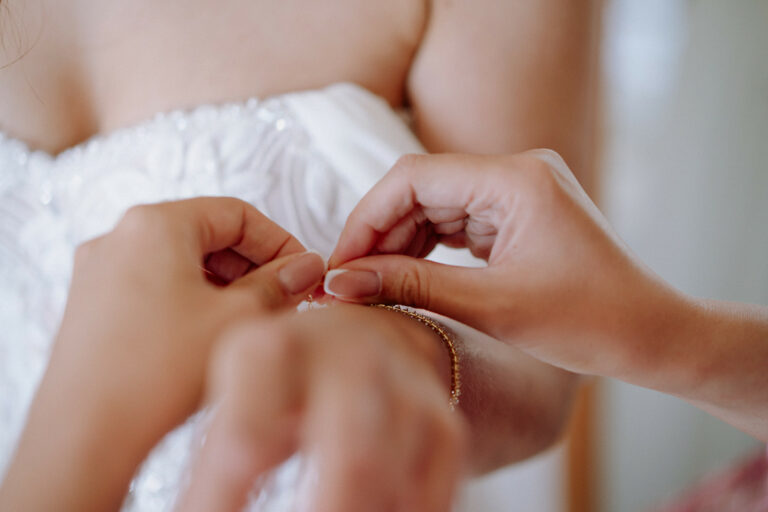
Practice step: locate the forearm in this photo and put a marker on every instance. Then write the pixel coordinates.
(516, 406)
(713, 354)
(70, 459)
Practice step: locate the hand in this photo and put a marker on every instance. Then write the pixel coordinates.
(356, 390)
(559, 282)
(128, 363)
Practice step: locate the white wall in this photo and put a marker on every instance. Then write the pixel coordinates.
(687, 187)
(535, 485)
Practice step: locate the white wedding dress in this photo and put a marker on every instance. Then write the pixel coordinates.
(304, 159)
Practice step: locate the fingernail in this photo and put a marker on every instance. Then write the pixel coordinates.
(302, 272)
(352, 283)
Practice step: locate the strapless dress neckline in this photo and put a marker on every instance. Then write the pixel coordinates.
(180, 116)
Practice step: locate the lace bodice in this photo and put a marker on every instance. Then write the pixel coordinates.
(304, 159)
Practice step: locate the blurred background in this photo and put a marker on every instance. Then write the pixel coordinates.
(684, 179)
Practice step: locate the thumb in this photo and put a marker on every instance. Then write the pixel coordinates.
(457, 292)
(282, 282)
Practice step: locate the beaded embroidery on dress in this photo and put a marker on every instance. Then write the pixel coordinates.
(304, 159)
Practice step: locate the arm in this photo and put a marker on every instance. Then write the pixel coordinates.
(515, 405)
(713, 354)
(560, 284)
(503, 77)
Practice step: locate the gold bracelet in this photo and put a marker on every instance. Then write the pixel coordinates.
(438, 329)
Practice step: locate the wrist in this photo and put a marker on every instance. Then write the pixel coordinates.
(674, 348)
(727, 353)
(428, 344)
(711, 353)
(654, 347)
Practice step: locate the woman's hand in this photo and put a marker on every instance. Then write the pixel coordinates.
(361, 392)
(129, 361)
(559, 282)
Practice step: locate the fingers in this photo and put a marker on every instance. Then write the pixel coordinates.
(225, 266)
(234, 237)
(445, 186)
(455, 193)
(211, 224)
(457, 292)
(257, 396)
(394, 198)
(279, 283)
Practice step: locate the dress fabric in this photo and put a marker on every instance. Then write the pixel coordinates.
(304, 159)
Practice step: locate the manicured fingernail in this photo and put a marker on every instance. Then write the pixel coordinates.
(302, 272)
(352, 283)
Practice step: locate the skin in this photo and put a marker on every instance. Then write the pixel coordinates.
(531, 87)
(565, 288)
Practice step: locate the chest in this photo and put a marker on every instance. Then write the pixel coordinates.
(97, 66)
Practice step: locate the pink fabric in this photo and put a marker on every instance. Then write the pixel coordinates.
(742, 488)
